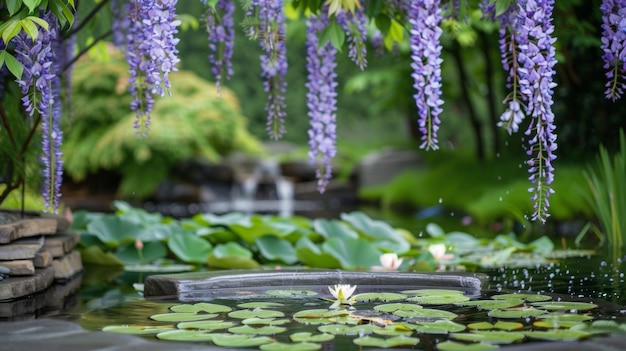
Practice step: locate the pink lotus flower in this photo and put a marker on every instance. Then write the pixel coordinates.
(389, 262)
(139, 244)
(439, 254)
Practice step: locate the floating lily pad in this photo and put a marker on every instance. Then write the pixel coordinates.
(564, 305)
(182, 317)
(282, 346)
(393, 307)
(426, 314)
(557, 335)
(519, 312)
(384, 297)
(342, 329)
(200, 307)
(601, 327)
(457, 346)
(554, 324)
(566, 316)
(310, 337)
(260, 304)
(137, 329)
(492, 304)
(187, 335)
(499, 325)
(205, 325)
(290, 293)
(255, 313)
(527, 297)
(264, 321)
(386, 343)
(394, 330)
(432, 292)
(266, 330)
(439, 299)
(490, 337)
(320, 313)
(443, 326)
(230, 340)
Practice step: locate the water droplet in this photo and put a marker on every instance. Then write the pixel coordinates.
(440, 200)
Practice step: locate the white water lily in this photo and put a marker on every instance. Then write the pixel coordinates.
(389, 262)
(342, 293)
(439, 254)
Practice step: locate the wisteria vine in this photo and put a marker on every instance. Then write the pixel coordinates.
(220, 27)
(614, 46)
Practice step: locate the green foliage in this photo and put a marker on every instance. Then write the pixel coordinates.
(607, 193)
(196, 121)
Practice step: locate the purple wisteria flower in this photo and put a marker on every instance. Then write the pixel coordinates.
(220, 27)
(536, 60)
(321, 99)
(355, 26)
(40, 86)
(270, 31)
(120, 23)
(425, 17)
(151, 54)
(614, 46)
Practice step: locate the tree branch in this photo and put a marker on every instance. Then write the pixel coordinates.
(86, 20)
(5, 122)
(83, 51)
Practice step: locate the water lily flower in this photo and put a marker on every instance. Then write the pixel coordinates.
(389, 262)
(138, 244)
(342, 293)
(439, 254)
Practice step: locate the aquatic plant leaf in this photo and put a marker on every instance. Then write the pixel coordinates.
(201, 307)
(260, 304)
(519, 312)
(282, 346)
(137, 329)
(310, 337)
(425, 314)
(435, 230)
(433, 292)
(231, 255)
(457, 346)
(601, 327)
(344, 329)
(501, 325)
(492, 304)
(188, 335)
(230, 340)
(557, 334)
(264, 321)
(383, 296)
(564, 305)
(481, 326)
(541, 246)
(394, 330)
(438, 300)
(205, 325)
(231, 249)
(386, 343)
(489, 336)
(554, 324)
(266, 330)
(310, 254)
(188, 247)
(333, 229)
(161, 266)
(113, 230)
(526, 297)
(256, 313)
(397, 306)
(376, 230)
(94, 255)
(274, 248)
(182, 317)
(225, 220)
(152, 251)
(352, 253)
(290, 293)
(561, 316)
(257, 229)
(320, 313)
(442, 326)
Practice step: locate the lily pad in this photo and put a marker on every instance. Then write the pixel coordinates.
(443, 326)
(394, 330)
(601, 327)
(187, 335)
(554, 324)
(566, 316)
(384, 297)
(290, 293)
(393, 307)
(490, 337)
(256, 313)
(343, 329)
(264, 321)
(557, 335)
(527, 297)
(310, 337)
(352, 253)
(438, 300)
(137, 329)
(520, 312)
(188, 247)
(282, 346)
(492, 304)
(425, 314)
(457, 346)
(564, 305)
(260, 304)
(230, 340)
(432, 292)
(320, 313)
(386, 343)
(182, 317)
(498, 325)
(274, 248)
(201, 307)
(308, 253)
(266, 330)
(205, 325)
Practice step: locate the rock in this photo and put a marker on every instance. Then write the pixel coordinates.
(26, 228)
(67, 266)
(16, 287)
(20, 267)
(42, 259)
(381, 167)
(21, 249)
(61, 244)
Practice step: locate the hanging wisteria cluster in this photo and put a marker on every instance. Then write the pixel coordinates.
(146, 31)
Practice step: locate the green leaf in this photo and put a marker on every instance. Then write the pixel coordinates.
(490, 337)
(383, 23)
(376, 230)
(266, 330)
(202, 307)
(352, 253)
(31, 4)
(112, 230)
(457, 346)
(13, 6)
(282, 346)
(11, 29)
(240, 340)
(502, 6)
(334, 34)
(442, 326)
(333, 229)
(14, 66)
(260, 304)
(310, 337)
(40, 21)
(151, 252)
(137, 329)
(557, 335)
(290, 293)
(256, 313)
(182, 317)
(275, 249)
(564, 305)
(30, 28)
(520, 312)
(257, 229)
(205, 325)
(188, 247)
(187, 335)
(310, 254)
(95, 255)
(386, 343)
